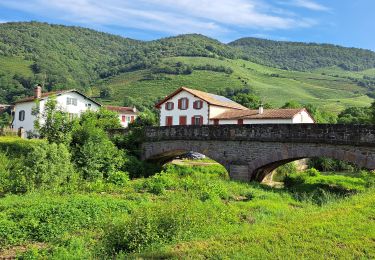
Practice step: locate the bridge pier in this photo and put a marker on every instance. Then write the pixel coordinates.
(239, 172)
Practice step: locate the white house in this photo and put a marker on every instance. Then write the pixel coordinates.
(126, 115)
(188, 106)
(70, 101)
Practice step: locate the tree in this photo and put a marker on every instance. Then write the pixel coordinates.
(292, 104)
(372, 111)
(356, 115)
(103, 118)
(53, 124)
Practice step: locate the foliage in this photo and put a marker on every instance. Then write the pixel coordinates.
(56, 126)
(355, 115)
(103, 119)
(326, 164)
(95, 156)
(303, 56)
(34, 165)
(198, 214)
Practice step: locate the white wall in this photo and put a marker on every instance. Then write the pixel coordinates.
(253, 121)
(216, 110)
(127, 118)
(302, 118)
(28, 123)
(189, 113)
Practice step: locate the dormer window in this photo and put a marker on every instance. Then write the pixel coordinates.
(169, 105)
(198, 104)
(183, 103)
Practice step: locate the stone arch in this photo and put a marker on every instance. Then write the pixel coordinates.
(261, 167)
(165, 151)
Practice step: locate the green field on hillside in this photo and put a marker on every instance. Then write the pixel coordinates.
(273, 85)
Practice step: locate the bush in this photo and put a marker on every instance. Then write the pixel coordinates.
(34, 165)
(94, 154)
(119, 178)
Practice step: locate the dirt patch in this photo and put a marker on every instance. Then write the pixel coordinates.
(12, 252)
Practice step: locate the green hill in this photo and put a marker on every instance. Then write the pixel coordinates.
(124, 71)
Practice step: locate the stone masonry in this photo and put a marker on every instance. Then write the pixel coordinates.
(250, 152)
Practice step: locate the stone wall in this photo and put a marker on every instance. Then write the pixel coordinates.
(251, 152)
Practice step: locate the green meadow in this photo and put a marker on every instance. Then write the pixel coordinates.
(195, 212)
(274, 86)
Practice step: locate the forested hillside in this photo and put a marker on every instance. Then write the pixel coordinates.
(121, 70)
(303, 56)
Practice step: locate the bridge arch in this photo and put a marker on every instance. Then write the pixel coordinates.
(250, 152)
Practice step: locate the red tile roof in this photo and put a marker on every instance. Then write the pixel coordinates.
(208, 97)
(254, 114)
(122, 109)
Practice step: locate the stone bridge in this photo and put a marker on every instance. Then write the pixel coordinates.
(250, 152)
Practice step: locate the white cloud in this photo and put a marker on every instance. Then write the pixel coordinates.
(309, 4)
(169, 16)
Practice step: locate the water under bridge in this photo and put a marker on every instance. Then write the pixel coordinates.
(250, 152)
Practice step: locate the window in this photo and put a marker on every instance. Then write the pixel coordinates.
(169, 106)
(72, 116)
(197, 120)
(21, 115)
(183, 103)
(128, 118)
(240, 122)
(88, 105)
(182, 120)
(71, 101)
(123, 118)
(198, 104)
(169, 120)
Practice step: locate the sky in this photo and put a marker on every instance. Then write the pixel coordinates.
(348, 23)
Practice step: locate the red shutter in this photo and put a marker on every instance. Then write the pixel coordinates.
(132, 119)
(166, 106)
(240, 121)
(172, 105)
(187, 103)
(182, 120)
(216, 121)
(201, 120)
(195, 105)
(179, 103)
(192, 120)
(168, 120)
(123, 118)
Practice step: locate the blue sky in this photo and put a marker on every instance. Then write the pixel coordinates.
(345, 22)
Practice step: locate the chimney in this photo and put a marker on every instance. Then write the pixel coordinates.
(261, 109)
(134, 109)
(38, 91)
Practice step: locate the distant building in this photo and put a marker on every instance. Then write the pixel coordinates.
(69, 101)
(188, 106)
(126, 115)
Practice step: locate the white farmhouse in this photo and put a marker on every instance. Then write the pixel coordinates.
(188, 106)
(126, 115)
(70, 101)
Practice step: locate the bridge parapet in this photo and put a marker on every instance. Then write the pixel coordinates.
(355, 135)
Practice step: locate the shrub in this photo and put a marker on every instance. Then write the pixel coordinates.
(119, 178)
(94, 154)
(34, 165)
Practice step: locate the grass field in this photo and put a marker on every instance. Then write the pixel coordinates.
(191, 212)
(14, 65)
(275, 86)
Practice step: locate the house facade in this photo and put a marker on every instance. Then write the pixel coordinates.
(69, 101)
(188, 106)
(126, 115)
